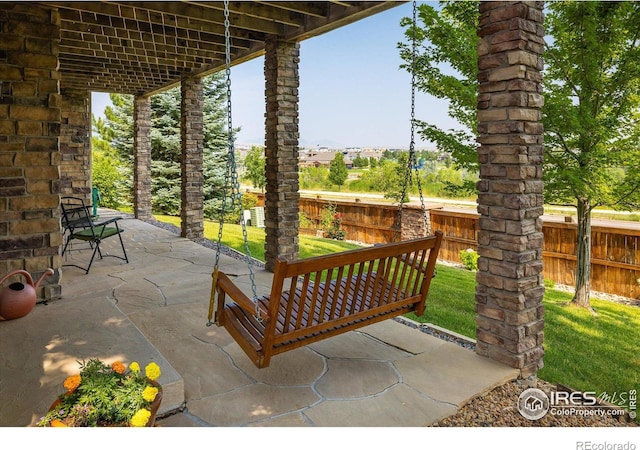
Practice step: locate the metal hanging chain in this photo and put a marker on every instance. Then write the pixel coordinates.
(414, 56)
(412, 163)
(231, 183)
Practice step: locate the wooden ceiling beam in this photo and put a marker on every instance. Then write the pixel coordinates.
(145, 47)
(259, 11)
(139, 48)
(93, 13)
(131, 39)
(215, 16)
(315, 9)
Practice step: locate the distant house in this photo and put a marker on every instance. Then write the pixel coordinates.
(323, 158)
(375, 154)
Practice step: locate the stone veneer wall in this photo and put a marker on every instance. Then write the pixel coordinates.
(282, 196)
(510, 200)
(191, 165)
(30, 106)
(414, 223)
(142, 158)
(75, 145)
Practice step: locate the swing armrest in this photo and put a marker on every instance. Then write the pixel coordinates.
(226, 285)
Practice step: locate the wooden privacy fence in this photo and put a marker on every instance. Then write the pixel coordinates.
(615, 251)
(366, 222)
(615, 257)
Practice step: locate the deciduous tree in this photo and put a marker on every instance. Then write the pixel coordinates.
(592, 102)
(338, 171)
(254, 163)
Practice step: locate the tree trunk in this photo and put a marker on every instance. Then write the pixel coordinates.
(583, 254)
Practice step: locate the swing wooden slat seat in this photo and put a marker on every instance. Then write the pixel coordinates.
(316, 298)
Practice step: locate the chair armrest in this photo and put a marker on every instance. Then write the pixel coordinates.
(226, 285)
(107, 222)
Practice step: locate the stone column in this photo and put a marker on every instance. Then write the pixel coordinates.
(191, 128)
(510, 200)
(282, 196)
(142, 158)
(75, 145)
(30, 101)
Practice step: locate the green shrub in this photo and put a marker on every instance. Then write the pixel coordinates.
(332, 222)
(305, 222)
(469, 259)
(549, 283)
(249, 200)
(107, 179)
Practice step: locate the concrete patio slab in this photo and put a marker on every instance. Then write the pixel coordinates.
(461, 375)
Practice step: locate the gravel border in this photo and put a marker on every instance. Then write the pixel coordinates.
(499, 408)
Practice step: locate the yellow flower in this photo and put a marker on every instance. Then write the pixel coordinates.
(149, 393)
(118, 367)
(134, 367)
(140, 418)
(152, 371)
(72, 382)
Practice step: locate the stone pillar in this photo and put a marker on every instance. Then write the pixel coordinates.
(30, 230)
(282, 196)
(75, 145)
(510, 201)
(191, 166)
(142, 158)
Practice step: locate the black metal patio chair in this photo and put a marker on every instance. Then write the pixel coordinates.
(78, 224)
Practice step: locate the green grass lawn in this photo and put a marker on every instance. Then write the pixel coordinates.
(586, 352)
(589, 353)
(232, 237)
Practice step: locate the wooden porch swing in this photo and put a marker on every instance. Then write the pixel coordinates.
(316, 298)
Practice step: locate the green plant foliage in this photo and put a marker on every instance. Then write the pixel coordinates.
(338, 171)
(445, 66)
(591, 107)
(313, 177)
(117, 131)
(232, 237)
(254, 165)
(106, 176)
(331, 221)
(359, 161)
(305, 222)
(469, 258)
(583, 351)
(103, 395)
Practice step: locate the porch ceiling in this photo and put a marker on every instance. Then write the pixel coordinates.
(144, 47)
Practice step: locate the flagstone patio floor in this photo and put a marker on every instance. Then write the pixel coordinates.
(155, 308)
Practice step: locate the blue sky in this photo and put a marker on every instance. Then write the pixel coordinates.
(352, 90)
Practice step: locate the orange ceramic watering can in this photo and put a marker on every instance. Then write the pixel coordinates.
(17, 299)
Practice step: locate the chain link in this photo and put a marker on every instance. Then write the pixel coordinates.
(412, 164)
(231, 183)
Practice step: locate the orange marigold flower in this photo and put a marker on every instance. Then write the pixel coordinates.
(57, 423)
(118, 367)
(72, 382)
